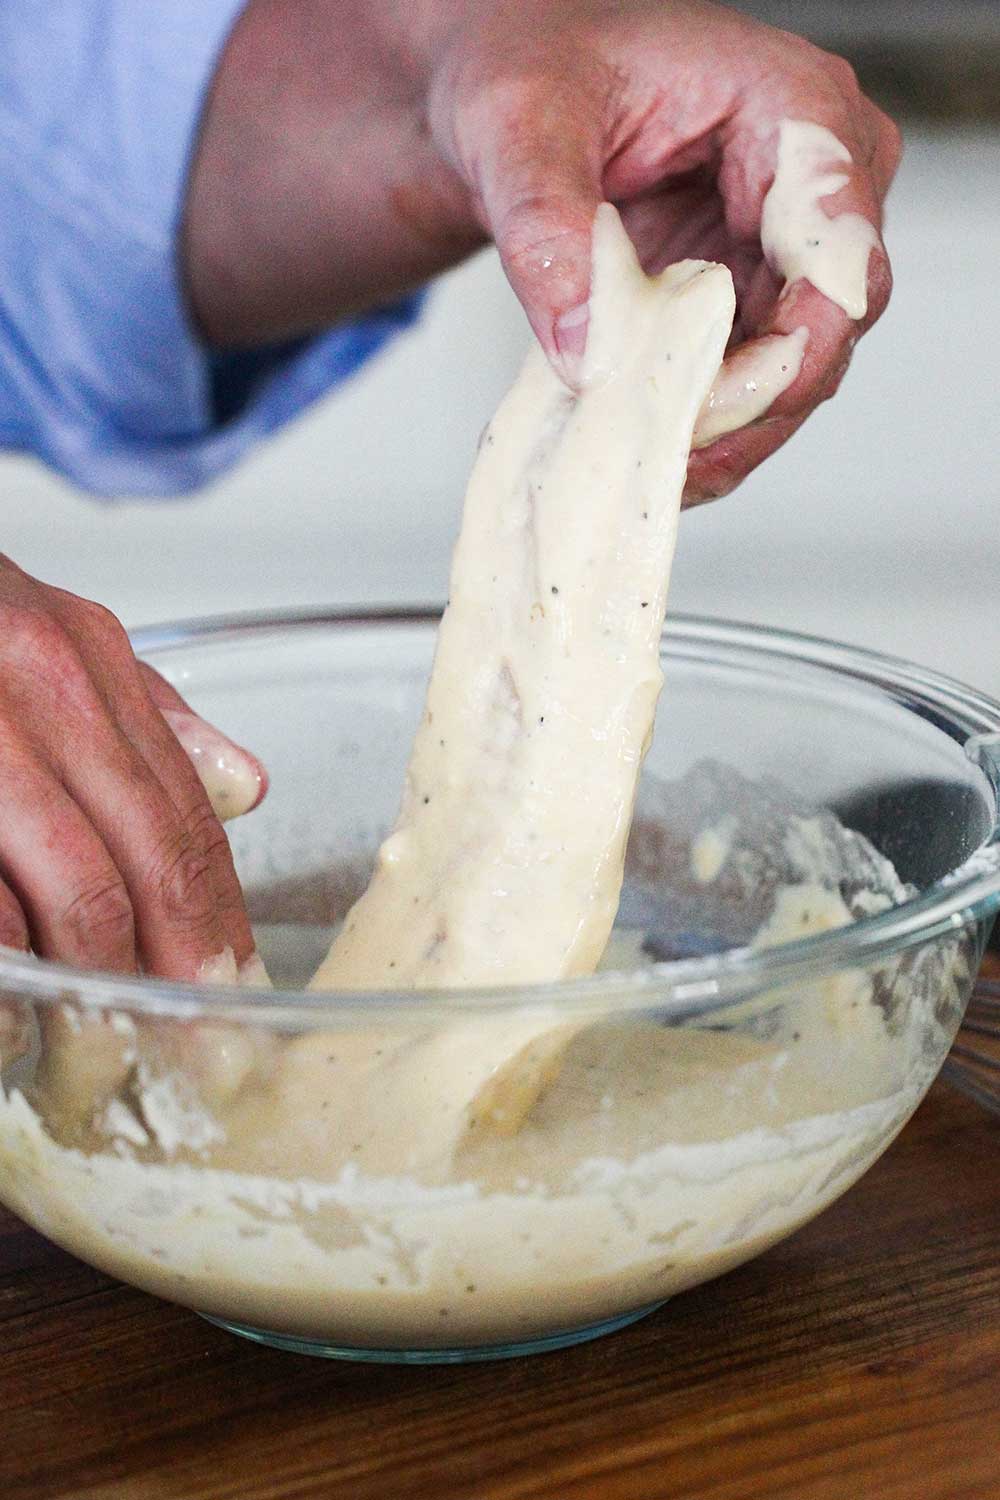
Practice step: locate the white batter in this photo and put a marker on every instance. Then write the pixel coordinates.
(801, 241)
(657, 1158)
(505, 865)
(231, 779)
(753, 377)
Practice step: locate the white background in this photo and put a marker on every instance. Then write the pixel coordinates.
(878, 524)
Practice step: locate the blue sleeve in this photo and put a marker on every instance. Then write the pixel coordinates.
(101, 373)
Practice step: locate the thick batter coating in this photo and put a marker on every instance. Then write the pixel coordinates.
(505, 865)
(801, 240)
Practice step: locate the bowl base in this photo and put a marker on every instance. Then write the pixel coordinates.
(545, 1345)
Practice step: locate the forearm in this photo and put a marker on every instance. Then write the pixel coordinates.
(314, 191)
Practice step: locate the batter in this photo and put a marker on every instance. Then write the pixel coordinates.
(801, 241)
(546, 676)
(657, 1158)
(505, 865)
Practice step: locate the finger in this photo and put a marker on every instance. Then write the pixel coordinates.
(74, 901)
(757, 302)
(538, 176)
(805, 188)
(830, 337)
(234, 779)
(162, 862)
(163, 857)
(151, 737)
(126, 689)
(748, 384)
(15, 1017)
(149, 730)
(717, 470)
(888, 149)
(826, 191)
(13, 923)
(180, 931)
(177, 776)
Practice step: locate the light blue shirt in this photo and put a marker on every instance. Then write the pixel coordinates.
(101, 373)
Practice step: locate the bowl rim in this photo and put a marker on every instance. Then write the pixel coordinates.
(677, 988)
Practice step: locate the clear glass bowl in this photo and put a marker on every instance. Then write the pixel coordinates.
(770, 1020)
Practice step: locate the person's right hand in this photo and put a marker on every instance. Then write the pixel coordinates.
(111, 856)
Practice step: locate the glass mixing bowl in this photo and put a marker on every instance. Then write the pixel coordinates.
(459, 1175)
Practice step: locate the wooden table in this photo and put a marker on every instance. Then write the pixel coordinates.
(859, 1360)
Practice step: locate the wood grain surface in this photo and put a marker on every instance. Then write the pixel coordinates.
(859, 1360)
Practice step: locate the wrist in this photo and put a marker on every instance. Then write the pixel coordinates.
(315, 192)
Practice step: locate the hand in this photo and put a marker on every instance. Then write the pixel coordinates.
(111, 856)
(351, 150)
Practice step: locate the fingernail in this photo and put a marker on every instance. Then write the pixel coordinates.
(233, 778)
(219, 969)
(253, 975)
(222, 969)
(570, 333)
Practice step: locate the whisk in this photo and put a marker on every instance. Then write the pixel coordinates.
(973, 1064)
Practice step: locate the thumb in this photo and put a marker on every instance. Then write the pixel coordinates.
(540, 186)
(234, 780)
